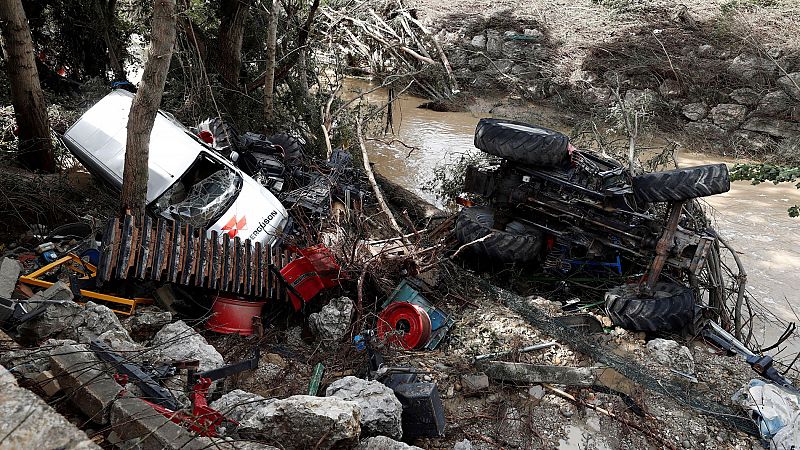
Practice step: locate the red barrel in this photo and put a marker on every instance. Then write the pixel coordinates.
(404, 324)
(231, 316)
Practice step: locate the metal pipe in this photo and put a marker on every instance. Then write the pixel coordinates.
(527, 349)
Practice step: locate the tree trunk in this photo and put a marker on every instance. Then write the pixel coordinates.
(30, 110)
(269, 78)
(145, 106)
(231, 33)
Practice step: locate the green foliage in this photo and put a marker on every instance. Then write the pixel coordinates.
(761, 172)
(448, 177)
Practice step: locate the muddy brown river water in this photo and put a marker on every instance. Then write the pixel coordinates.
(752, 218)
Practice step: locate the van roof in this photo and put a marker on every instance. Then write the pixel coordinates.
(102, 133)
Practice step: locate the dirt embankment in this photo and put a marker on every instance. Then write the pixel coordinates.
(724, 72)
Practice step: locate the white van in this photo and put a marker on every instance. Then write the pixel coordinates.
(188, 181)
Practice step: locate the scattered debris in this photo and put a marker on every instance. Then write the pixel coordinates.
(384, 443)
(775, 410)
(474, 383)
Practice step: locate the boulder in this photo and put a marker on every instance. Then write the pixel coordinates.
(384, 443)
(26, 421)
(745, 96)
(775, 104)
(706, 131)
(791, 84)
(303, 421)
(178, 341)
(695, 111)
(238, 404)
(146, 321)
(381, 411)
(331, 324)
(9, 274)
(773, 127)
(728, 115)
(752, 69)
(69, 320)
(671, 354)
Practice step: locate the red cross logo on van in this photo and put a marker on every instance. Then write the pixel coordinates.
(233, 226)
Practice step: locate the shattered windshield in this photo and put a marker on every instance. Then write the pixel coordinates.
(201, 196)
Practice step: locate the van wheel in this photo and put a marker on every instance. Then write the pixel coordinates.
(517, 243)
(682, 184)
(292, 147)
(522, 143)
(669, 307)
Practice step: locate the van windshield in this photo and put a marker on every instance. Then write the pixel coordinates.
(201, 195)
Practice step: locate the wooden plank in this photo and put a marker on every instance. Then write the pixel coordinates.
(187, 269)
(237, 265)
(226, 262)
(143, 255)
(259, 270)
(213, 274)
(202, 259)
(248, 268)
(159, 249)
(174, 253)
(125, 245)
(107, 250)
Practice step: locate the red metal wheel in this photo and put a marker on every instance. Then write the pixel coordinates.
(404, 324)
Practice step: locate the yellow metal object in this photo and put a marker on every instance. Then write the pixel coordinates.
(87, 271)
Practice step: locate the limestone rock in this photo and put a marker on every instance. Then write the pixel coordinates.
(695, 111)
(303, 421)
(473, 383)
(384, 443)
(706, 131)
(774, 104)
(70, 320)
(331, 324)
(178, 341)
(773, 127)
(238, 404)
(533, 34)
(671, 354)
(745, 96)
(146, 321)
(728, 115)
(478, 41)
(9, 274)
(381, 411)
(752, 69)
(26, 421)
(791, 84)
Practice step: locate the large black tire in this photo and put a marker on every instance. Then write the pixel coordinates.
(292, 147)
(682, 184)
(518, 243)
(226, 138)
(669, 308)
(522, 143)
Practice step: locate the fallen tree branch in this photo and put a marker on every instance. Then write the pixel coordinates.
(374, 184)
